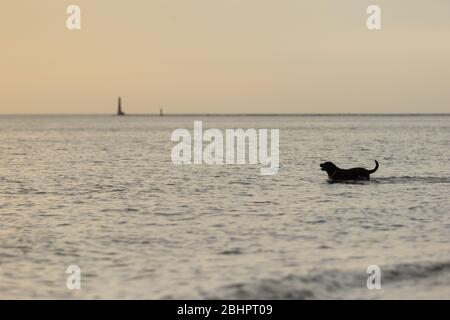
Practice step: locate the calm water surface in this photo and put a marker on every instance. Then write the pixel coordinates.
(101, 192)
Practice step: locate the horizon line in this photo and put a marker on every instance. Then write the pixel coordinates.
(233, 114)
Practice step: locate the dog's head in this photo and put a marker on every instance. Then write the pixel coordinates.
(329, 167)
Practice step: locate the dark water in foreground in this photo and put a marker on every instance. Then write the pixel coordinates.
(101, 192)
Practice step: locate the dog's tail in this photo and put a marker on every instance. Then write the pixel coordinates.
(376, 167)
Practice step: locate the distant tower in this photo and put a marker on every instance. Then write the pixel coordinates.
(119, 108)
(161, 112)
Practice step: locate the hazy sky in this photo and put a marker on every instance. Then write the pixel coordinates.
(220, 56)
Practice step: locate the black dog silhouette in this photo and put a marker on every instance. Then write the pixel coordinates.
(336, 173)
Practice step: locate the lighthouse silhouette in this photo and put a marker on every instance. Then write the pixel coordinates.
(119, 108)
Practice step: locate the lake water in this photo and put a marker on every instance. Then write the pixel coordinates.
(101, 192)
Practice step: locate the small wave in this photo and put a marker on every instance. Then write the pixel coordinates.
(329, 284)
(409, 179)
(235, 251)
(394, 180)
(244, 183)
(119, 210)
(361, 182)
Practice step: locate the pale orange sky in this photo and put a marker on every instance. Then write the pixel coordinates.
(225, 56)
